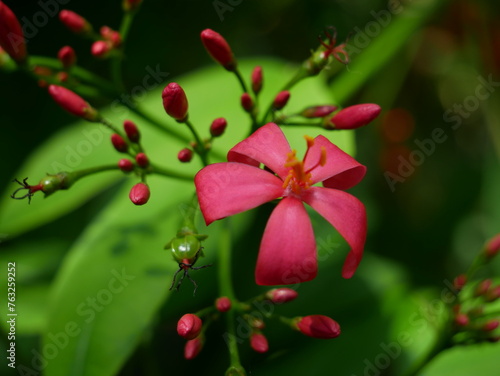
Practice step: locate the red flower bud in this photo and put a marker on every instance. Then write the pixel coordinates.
(218, 48)
(218, 127)
(318, 326)
(257, 79)
(67, 56)
(74, 22)
(11, 34)
(100, 49)
(483, 287)
(459, 282)
(62, 76)
(317, 111)
(223, 304)
(131, 5)
(258, 342)
(281, 295)
(131, 131)
(73, 103)
(355, 116)
(185, 155)
(281, 100)
(111, 35)
(175, 102)
(461, 319)
(493, 294)
(193, 348)
(491, 325)
(119, 143)
(125, 165)
(139, 194)
(246, 102)
(142, 160)
(189, 326)
(493, 246)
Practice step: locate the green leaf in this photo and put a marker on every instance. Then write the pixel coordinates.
(212, 93)
(116, 276)
(481, 359)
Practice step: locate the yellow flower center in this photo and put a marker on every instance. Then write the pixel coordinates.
(298, 178)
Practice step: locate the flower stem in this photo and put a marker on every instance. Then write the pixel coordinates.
(116, 61)
(441, 343)
(92, 170)
(154, 169)
(200, 148)
(241, 80)
(76, 71)
(299, 76)
(226, 289)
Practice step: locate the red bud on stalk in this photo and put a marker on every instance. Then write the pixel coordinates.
(193, 348)
(355, 116)
(317, 111)
(75, 22)
(259, 343)
(218, 127)
(185, 155)
(142, 160)
(73, 103)
(257, 79)
(101, 49)
(132, 131)
(189, 326)
(11, 35)
(493, 246)
(218, 48)
(139, 194)
(318, 326)
(125, 165)
(175, 102)
(119, 143)
(223, 304)
(67, 56)
(246, 102)
(281, 100)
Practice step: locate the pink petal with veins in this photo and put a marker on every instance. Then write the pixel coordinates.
(267, 145)
(341, 171)
(347, 214)
(287, 252)
(226, 189)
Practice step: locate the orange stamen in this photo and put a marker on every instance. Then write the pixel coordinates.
(298, 179)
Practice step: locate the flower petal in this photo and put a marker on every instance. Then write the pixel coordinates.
(229, 188)
(267, 145)
(341, 171)
(288, 249)
(347, 214)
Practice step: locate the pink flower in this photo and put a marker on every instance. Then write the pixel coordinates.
(288, 248)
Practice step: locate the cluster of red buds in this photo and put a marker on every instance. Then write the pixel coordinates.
(331, 118)
(176, 106)
(192, 328)
(475, 316)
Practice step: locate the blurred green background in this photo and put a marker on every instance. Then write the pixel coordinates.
(424, 229)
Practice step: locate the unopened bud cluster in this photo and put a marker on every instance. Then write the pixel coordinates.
(475, 316)
(191, 327)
